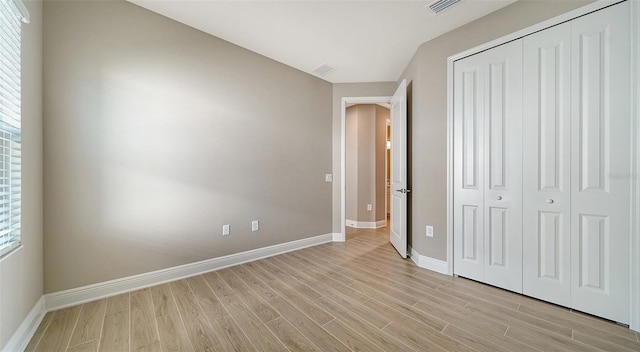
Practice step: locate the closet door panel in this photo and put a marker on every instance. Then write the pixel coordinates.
(601, 123)
(469, 115)
(503, 166)
(546, 178)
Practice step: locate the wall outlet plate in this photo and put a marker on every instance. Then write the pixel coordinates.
(225, 230)
(255, 226)
(429, 231)
(328, 178)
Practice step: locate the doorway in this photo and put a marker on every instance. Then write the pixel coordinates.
(347, 102)
(367, 173)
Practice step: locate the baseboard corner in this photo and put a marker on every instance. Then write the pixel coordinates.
(21, 337)
(422, 261)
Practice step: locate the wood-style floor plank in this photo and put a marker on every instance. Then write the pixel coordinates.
(89, 325)
(58, 333)
(253, 300)
(144, 331)
(163, 301)
(115, 332)
(196, 324)
(173, 334)
(353, 296)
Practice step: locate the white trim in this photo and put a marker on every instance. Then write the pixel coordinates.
(422, 261)
(343, 149)
(451, 59)
(366, 224)
(75, 296)
(338, 237)
(635, 206)
(26, 330)
(594, 6)
(634, 323)
(450, 166)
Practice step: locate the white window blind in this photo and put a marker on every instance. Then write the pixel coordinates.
(12, 13)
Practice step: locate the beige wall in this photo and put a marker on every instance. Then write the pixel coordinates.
(21, 272)
(343, 90)
(382, 115)
(427, 73)
(351, 163)
(157, 134)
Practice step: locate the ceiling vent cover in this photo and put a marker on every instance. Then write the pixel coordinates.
(323, 69)
(442, 5)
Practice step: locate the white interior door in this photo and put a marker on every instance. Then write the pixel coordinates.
(546, 156)
(601, 167)
(503, 166)
(399, 191)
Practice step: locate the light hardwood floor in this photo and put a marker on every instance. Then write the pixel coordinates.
(353, 296)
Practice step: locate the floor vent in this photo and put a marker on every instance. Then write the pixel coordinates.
(442, 5)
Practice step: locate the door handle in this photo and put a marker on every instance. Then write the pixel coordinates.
(403, 191)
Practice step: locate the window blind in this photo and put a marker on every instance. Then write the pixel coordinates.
(12, 13)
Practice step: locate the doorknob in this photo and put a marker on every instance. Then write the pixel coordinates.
(403, 191)
(550, 201)
(499, 197)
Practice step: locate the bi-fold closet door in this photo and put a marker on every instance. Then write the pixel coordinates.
(577, 145)
(488, 166)
(540, 193)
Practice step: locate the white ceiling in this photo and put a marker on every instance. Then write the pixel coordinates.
(366, 41)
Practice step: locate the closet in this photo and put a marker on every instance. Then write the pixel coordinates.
(542, 144)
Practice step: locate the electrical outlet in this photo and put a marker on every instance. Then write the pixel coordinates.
(369, 207)
(225, 230)
(429, 231)
(328, 178)
(255, 226)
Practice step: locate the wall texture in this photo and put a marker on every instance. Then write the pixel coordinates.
(382, 115)
(351, 163)
(21, 272)
(427, 74)
(345, 90)
(156, 135)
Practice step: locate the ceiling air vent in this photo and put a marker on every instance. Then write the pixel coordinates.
(442, 5)
(323, 70)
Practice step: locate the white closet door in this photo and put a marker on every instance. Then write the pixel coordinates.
(503, 166)
(488, 166)
(469, 92)
(601, 173)
(547, 164)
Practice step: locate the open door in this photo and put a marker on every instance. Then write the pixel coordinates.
(399, 191)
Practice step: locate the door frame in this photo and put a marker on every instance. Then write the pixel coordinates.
(634, 247)
(343, 154)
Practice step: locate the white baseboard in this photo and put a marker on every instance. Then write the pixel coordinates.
(338, 237)
(28, 327)
(75, 296)
(366, 224)
(439, 266)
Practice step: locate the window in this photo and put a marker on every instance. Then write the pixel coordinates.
(12, 13)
